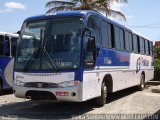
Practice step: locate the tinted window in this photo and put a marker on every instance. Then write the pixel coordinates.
(151, 48)
(135, 42)
(130, 42)
(1, 44)
(14, 43)
(110, 35)
(146, 47)
(122, 39)
(1, 38)
(117, 39)
(142, 48)
(106, 34)
(94, 24)
(127, 41)
(104, 31)
(7, 46)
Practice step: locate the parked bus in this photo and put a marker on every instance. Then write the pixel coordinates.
(79, 55)
(7, 52)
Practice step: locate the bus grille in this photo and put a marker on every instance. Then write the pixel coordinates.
(41, 85)
(40, 95)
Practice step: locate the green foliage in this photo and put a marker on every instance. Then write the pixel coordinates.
(157, 52)
(157, 69)
(102, 6)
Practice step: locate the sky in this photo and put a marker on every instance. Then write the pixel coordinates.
(143, 16)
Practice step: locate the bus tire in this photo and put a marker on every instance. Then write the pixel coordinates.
(101, 101)
(141, 86)
(1, 88)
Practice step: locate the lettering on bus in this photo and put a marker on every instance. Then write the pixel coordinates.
(141, 62)
(61, 63)
(107, 60)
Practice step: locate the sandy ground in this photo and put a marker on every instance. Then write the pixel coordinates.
(129, 102)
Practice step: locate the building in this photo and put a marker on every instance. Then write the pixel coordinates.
(157, 44)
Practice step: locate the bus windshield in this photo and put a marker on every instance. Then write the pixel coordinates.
(50, 44)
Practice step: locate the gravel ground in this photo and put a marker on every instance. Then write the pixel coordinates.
(128, 102)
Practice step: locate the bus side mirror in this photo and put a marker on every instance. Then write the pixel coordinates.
(91, 46)
(90, 58)
(19, 32)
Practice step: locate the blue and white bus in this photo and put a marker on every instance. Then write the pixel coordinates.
(8, 43)
(79, 55)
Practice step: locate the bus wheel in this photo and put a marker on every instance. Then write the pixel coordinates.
(101, 101)
(141, 86)
(1, 88)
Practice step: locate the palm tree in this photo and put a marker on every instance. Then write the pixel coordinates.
(103, 6)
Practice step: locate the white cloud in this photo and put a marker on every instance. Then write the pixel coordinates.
(117, 6)
(130, 17)
(2, 11)
(14, 5)
(5, 11)
(9, 6)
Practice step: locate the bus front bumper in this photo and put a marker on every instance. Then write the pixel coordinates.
(70, 94)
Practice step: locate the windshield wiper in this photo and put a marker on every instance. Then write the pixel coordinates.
(50, 60)
(31, 60)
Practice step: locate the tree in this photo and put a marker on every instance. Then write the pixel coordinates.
(157, 52)
(103, 6)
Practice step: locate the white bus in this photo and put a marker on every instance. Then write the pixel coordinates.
(79, 55)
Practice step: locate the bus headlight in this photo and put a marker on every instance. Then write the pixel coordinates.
(19, 83)
(69, 83)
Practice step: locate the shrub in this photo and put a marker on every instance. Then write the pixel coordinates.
(157, 69)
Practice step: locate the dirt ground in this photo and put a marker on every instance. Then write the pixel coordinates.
(126, 104)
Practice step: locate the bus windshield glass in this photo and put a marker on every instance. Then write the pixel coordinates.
(50, 44)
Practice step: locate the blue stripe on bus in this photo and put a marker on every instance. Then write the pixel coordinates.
(112, 57)
(3, 63)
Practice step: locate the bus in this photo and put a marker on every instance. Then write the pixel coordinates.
(77, 56)
(8, 43)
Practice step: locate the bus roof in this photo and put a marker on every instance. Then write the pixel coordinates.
(9, 34)
(3, 33)
(12, 35)
(80, 13)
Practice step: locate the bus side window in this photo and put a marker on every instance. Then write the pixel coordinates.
(151, 48)
(142, 46)
(127, 41)
(131, 42)
(13, 46)
(122, 40)
(94, 24)
(110, 35)
(135, 43)
(106, 34)
(119, 38)
(7, 46)
(1, 44)
(146, 47)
